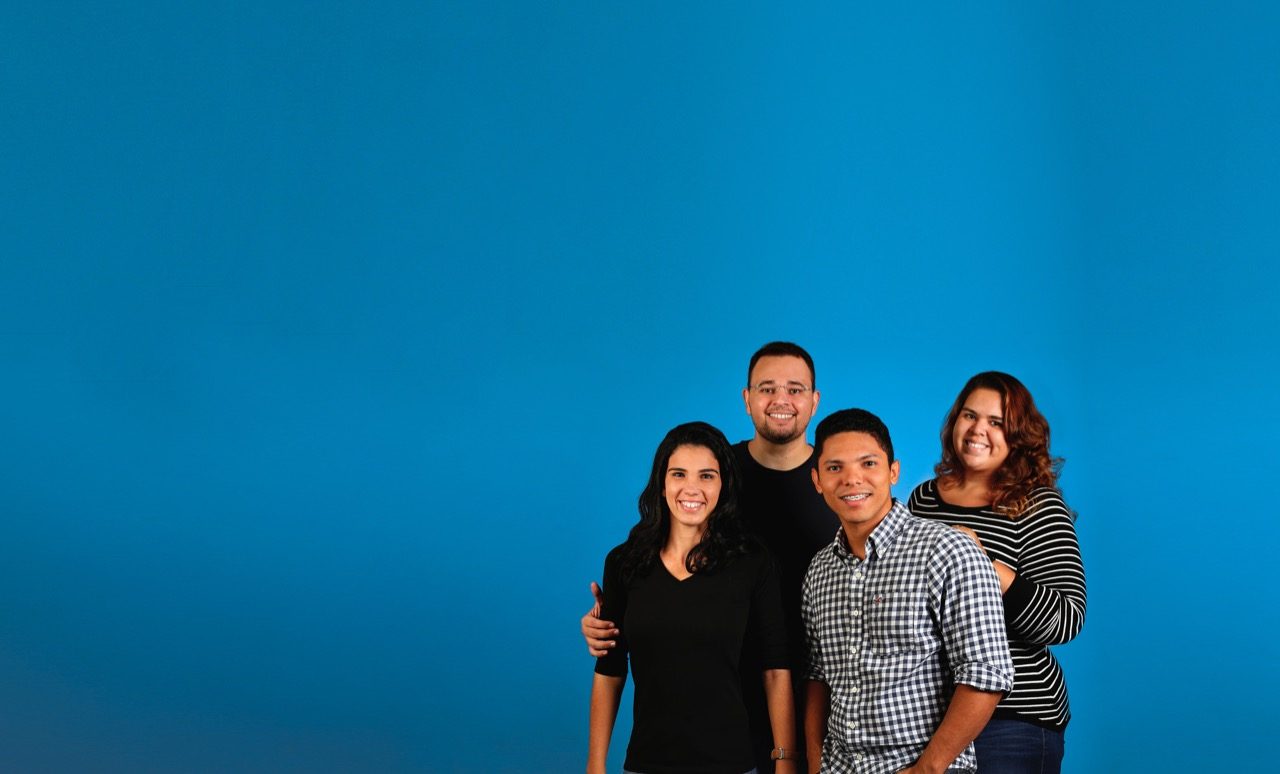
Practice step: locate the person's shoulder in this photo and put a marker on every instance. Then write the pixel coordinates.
(929, 530)
(826, 555)
(1046, 502)
(755, 559)
(754, 551)
(614, 556)
(943, 540)
(925, 493)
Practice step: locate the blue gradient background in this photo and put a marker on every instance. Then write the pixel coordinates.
(337, 338)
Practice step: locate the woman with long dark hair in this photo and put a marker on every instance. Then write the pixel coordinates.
(997, 482)
(689, 588)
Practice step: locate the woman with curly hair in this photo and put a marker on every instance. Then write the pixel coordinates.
(997, 483)
(689, 588)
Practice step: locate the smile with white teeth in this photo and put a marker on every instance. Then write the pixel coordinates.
(976, 446)
(780, 415)
(854, 498)
(690, 505)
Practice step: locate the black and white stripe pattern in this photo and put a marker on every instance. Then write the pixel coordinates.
(1046, 603)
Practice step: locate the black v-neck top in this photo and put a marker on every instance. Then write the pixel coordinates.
(684, 640)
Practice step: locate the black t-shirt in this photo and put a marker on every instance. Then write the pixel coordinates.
(784, 510)
(685, 641)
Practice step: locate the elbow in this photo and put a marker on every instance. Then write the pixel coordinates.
(1063, 630)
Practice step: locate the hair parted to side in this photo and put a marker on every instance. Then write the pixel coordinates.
(1026, 431)
(725, 536)
(854, 420)
(783, 349)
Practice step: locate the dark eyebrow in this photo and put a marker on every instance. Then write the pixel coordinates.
(989, 416)
(773, 383)
(710, 470)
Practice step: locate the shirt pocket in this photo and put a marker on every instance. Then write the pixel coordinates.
(899, 622)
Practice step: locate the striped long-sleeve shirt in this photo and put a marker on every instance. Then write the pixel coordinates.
(1045, 604)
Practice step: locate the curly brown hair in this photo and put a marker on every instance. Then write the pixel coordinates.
(1026, 431)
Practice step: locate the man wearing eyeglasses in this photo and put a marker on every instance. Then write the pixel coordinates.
(779, 504)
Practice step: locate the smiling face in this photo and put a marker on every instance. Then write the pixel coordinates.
(978, 434)
(692, 485)
(780, 398)
(855, 478)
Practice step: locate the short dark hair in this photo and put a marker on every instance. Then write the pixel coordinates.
(854, 420)
(783, 349)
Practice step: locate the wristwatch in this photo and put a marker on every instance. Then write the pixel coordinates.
(782, 754)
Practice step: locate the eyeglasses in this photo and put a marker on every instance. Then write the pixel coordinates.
(769, 390)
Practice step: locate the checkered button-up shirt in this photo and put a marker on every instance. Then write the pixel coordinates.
(891, 636)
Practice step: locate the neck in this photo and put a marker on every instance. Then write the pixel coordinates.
(976, 484)
(780, 456)
(856, 534)
(856, 539)
(682, 538)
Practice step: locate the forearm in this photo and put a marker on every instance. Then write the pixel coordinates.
(1045, 601)
(606, 691)
(1006, 575)
(817, 698)
(782, 715)
(1041, 613)
(967, 715)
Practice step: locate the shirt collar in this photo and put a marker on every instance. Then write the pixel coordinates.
(881, 538)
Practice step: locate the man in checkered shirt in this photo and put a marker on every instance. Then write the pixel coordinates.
(908, 655)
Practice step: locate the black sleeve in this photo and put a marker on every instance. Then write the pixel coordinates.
(767, 626)
(614, 608)
(1045, 604)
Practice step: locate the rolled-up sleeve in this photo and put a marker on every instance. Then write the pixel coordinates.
(971, 616)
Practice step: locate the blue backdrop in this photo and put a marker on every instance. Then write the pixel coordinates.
(337, 339)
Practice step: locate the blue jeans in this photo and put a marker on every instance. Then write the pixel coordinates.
(1015, 747)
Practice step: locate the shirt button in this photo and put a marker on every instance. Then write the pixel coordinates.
(855, 689)
(857, 612)
(857, 575)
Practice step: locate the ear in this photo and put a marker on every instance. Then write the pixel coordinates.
(746, 399)
(894, 470)
(813, 473)
(817, 396)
